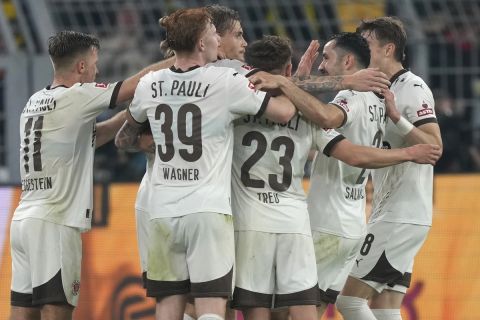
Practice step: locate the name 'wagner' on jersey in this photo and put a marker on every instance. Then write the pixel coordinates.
(191, 115)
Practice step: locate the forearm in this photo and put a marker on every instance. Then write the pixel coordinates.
(426, 133)
(373, 158)
(319, 84)
(106, 130)
(127, 138)
(320, 113)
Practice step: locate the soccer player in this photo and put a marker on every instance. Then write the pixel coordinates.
(191, 110)
(58, 138)
(402, 204)
(336, 200)
(274, 249)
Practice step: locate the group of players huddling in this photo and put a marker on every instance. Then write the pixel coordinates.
(221, 211)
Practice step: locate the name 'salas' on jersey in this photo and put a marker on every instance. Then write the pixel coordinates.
(336, 201)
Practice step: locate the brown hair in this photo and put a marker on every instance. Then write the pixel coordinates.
(66, 45)
(184, 28)
(387, 30)
(270, 53)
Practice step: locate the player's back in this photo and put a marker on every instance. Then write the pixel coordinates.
(191, 115)
(403, 193)
(336, 199)
(57, 129)
(268, 170)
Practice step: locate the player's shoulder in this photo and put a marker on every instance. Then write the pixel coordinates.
(237, 65)
(410, 85)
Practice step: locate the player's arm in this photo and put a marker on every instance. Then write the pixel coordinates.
(128, 86)
(280, 109)
(425, 133)
(373, 158)
(134, 139)
(323, 114)
(106, 130)
(370, 79)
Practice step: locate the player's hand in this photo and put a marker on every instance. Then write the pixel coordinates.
(146, 143)
(370, 79)
(392, 111)
(306, 62)
(425, 153)
(266, 81)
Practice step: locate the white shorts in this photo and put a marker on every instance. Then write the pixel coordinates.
(335, 258)
(46, 262)
(191, 254)
(279, 265)
(142, 219)
(385, 258)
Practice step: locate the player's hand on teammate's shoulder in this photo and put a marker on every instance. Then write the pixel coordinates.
(370, 79)
(392, 111)
(308, 59)
(425, 153)
(266, 81)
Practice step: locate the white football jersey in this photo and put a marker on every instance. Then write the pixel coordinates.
(336, 200)
(141, 202)
(403, 193)
(238, 65)
(268, 169)
(57, 130)
(191, 115)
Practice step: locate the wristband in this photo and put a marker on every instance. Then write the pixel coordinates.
(404, 126)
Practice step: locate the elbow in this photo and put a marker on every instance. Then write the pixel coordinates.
(285, 116)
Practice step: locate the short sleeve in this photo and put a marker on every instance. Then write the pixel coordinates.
(347, 102)
(326, 139)
(243, 98)
(137, 107)
(417, 103)
(97, 97)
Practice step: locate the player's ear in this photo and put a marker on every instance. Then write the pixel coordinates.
(349, 61)
(288, 70)
(80, 66)
(201, 45)
(389, 49)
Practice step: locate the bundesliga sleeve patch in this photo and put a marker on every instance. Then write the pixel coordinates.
(101, 85)
(342, 102)
(425, 111)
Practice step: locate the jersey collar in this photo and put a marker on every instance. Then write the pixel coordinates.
(396, 75)
(172, 68)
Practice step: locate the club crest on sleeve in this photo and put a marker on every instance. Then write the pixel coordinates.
(342, 102)
(426, 110)
(101, 85)
(247, 67)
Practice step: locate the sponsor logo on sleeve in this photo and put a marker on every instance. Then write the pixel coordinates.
(101, 85)
(425, 111)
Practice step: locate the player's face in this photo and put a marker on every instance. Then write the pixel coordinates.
(232, 43)
(210, 41)
(332, 63)
(90, 66)
(376, 49)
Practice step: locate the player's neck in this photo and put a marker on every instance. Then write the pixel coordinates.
(63, 80)
(185, 62)
(392, 68)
